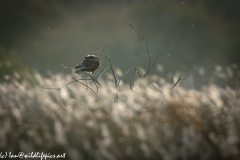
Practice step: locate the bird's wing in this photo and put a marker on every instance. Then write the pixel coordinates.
(89, 64)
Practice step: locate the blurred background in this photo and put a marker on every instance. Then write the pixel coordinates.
(41, 35)
(144, 120)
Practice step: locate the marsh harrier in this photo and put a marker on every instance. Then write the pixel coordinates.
(89, 64)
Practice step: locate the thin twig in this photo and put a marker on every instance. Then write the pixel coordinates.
(85, 80)
(117, 79)
(169, 54)
(120, 77)
(149, 69)
(150, 64)
(50, 88)
(73, 82)
(136, 30)
(94, 80)
(66, 67)
(63, 107)
(97, 52)
(84, 85)
(56, 101)
(102, 72)
(180, 78)
(131, 84)
(109, 61)
(137, 72)
(105, 62)
(148, 53)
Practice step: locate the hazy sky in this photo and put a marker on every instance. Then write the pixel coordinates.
(48, 33)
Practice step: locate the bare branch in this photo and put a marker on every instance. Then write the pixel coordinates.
(120, 77)
(180, 78)
(55, 89)
(98, 51)
(150, 64)
(109, 61)
(66, 67)
(169, 54)
(96, 82)
(102, 72)
(131, 84)
(50, 88)
(105, 62)
(149, 69)
(148, 54)
(137, 72)
(63, 107)
(136, 31)
(117, 79)
(84, 85)
(75, 80)
(85, 80)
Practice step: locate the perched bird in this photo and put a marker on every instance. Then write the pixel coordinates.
(89, 64)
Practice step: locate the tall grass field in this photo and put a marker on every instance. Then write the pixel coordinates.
(149, 121)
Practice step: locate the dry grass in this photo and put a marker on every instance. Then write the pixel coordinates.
(150, 122)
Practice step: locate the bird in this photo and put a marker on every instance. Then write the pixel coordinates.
(89, 64)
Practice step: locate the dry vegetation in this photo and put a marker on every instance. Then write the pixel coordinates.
(149, 122)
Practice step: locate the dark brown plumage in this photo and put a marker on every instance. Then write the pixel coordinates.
(89, 64)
